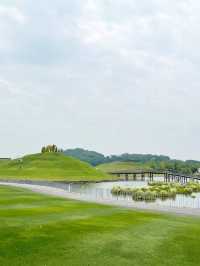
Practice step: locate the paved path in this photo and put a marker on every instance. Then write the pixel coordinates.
(58, 192)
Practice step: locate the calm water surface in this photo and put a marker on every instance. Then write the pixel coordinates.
(103, 191)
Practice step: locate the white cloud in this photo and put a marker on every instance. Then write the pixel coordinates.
(12, 13)
(80, 71)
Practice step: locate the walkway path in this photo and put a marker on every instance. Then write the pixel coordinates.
(58, 192)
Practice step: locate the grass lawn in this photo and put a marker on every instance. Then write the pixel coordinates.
(42, 231)
(51, 167)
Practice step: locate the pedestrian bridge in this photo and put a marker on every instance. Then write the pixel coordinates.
(169, 176)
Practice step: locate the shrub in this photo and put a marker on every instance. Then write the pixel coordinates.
(187, 190)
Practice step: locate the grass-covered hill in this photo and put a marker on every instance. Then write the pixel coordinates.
(119, 166)
(50, 166)
(177, 166)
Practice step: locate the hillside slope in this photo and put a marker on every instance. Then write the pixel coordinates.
(50, 166)
(118, 166)
(177, 166)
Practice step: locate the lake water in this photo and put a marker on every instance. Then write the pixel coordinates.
(102, 191)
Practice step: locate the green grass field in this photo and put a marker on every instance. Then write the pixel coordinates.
(37, 230)
(50, 166)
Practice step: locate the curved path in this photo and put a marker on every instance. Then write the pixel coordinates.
(58, 192)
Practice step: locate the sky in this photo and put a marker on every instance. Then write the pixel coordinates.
(113, 76)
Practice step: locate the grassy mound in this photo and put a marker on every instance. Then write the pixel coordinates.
(38, 230)
(50, 166)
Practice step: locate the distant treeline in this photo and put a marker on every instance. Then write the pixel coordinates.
(91, 157)
(148, 160)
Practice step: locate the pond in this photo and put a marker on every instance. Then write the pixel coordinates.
(102, 191)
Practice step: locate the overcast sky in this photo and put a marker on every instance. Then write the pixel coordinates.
(108, 75)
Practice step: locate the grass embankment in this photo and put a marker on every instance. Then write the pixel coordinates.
(50, 166)
(187, 167)
(37, 230)
(121, 166)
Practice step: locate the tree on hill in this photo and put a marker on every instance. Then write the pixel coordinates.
(50, 148)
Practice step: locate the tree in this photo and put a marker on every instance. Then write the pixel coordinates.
(43, 150)
(50, 148)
